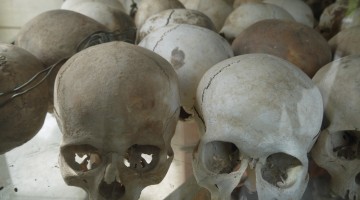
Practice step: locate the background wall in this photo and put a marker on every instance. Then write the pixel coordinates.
(15, 13)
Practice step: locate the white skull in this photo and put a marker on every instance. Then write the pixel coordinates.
(216, 10)
(68, 4)
(338, 147)
(113, 18)
(250, 13)
(117, 106)
(261, 112)
(175, 16)
(191, 50)
(298, 9)
(149, 8)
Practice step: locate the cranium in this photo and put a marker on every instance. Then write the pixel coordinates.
(216, 10)
(258, 112)
(338, 147)
(113, 18)
(117, 106)
(23, 100)
(191, 50)
(249, 13)
(55, 35)
(301, 12)
(175, 16)
(149, 8)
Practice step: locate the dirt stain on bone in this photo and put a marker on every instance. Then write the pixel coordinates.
(177, 58)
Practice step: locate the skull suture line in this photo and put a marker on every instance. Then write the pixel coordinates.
(117, 106)
(262, 113)
(338, 147)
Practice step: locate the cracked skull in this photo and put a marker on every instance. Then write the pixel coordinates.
(250, 126)
(117, 106)
(178, 45)
(338, 147)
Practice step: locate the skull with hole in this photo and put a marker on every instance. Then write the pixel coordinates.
(117, 106)
(178, 44)
(23, 101)
(338, 147)
(259, 113)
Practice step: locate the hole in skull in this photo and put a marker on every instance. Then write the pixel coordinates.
(221, 157)
(82, 157)
(142, 157)
(357, 179)
(184, 115)
(114, 190)
(346, 144)
(281, 170)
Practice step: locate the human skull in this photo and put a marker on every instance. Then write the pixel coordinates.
(331, 19)
(338, 147)
(298, 9)
(258, 112)
(68, 4)
(23, 103)
(117, 106)
(179, 44)
(250, 13)
(216, 10)
(56, 35)
(346, 42)
(292, 41)
(175, 16)
(113, 18)
(149, 8)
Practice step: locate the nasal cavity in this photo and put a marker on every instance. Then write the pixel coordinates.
(114, 190)
(221, 157)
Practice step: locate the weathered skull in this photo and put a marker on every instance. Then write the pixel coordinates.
(338, 147)
(117, 106)
(179, 44)
(216, 10)
(56, 35)
(174, 16)
(113, 18)
(149, 8)
(250, 13)
(23, 96)
(262, 113)
(346, 42)
(301, 12)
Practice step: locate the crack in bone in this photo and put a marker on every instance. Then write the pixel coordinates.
(211, 79)
(168, 19)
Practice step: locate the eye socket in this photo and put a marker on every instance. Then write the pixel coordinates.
(221, 157)
(281, 170)
(82, 157)
(346, 144)
(142, 157)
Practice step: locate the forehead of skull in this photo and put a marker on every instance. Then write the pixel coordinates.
(261, 93)
(116, 87)
(339, 84)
